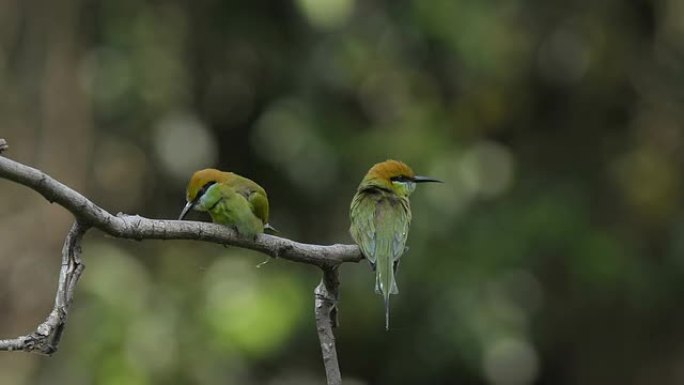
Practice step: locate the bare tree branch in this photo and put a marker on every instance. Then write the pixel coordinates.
(48, 334)
(139, 228)
(326, 295)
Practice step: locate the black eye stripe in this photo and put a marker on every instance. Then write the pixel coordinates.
(204, 190)
(401, 178)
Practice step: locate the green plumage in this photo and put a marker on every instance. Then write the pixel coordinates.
(379, 224)
(230, 199)
(380, 216)
(230, 206)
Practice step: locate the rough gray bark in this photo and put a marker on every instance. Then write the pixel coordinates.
(326, 295)
(46, 337)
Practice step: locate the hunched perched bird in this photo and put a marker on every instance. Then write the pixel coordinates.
(380, 215)
(230, 199)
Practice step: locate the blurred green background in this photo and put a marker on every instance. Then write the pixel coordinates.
(553, 254)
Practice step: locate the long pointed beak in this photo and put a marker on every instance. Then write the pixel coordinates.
(186, 209)
(425, 179)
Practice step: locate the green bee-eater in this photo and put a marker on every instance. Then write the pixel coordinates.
(380, 216)
(230, 199)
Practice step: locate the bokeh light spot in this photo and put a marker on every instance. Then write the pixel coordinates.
(284, 135)
(326, 14)
(104, 279)
(184, 144)
(510, 361)
(106, 74)
(488, 168)
(564, 57)
(249, 313)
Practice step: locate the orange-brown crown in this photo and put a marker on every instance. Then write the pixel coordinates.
(389, 169)
(200, 178)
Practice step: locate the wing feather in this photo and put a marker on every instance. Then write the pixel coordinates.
(392, 220)
(256, 196)
(361, 213)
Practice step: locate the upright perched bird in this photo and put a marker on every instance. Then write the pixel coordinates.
(380, 216)
(230, 199)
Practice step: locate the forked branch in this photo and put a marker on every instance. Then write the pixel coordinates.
(46, 337)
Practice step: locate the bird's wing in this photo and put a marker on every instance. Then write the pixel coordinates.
(257, 198)
(392, 218)
(362, 229)
(259, 204)
(391, 222)
(235, 210)
(227, 203)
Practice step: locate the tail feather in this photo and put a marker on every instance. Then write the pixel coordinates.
(385, 284)
(387, 311)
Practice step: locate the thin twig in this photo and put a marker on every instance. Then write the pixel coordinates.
(326, 296)
(47, 335)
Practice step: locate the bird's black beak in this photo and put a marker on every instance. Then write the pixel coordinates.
(425, 179)
(186, 209)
